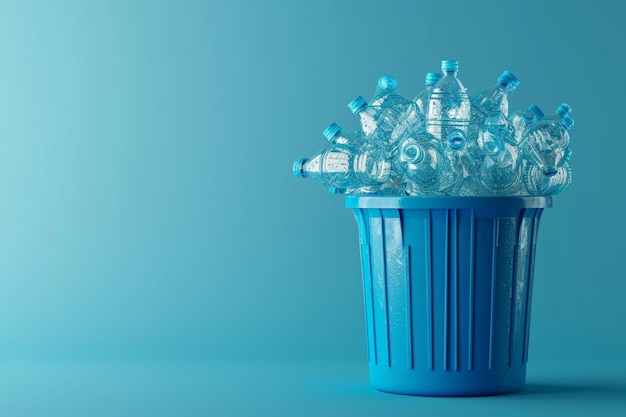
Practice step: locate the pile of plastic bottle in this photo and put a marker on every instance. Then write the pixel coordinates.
(445, 142)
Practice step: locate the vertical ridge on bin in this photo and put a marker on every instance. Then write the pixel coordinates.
(446, 294)
(409, 306)
(456, 287)
(513, 293)
(379, 282)
(430, 328)
(386, 289)
(368, 298)
(492, 311)
(515, 278)
(472, 271)
(531, 266)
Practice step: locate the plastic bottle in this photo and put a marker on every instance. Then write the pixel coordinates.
(426, 170)
(345, 166)
(495, 99)
(385, 126)
(464, 158)
(536, 182)
(449, 105)
(500, 172)
(421, 99)
(490, 109)
(386, 92)
(335, 134)
(521, 119)
(544, 142)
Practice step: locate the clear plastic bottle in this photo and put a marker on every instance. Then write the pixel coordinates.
(521, 119)
(421, 99)
(464, 158)
(536, 182)
(544, 142)
(426, 170)
(495, 99)
(344, 166)
(449, 105)
(386, 125)
(500, 172)
(335, 134)
(490, 109)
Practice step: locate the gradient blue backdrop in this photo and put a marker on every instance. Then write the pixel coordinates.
(148, 207)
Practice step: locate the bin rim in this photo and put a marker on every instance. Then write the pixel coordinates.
(446, 202)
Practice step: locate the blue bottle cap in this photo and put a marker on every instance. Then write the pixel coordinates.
(432, 78)
(386, 83)
(449, 65)
(567, 121)
(456, 139)
(332, 131)
(357, 104)
(508, 79)
(563, 109)
(298, 168)
(535, 109)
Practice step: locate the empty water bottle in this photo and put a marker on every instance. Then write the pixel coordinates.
(386, 92)
(490, 109)
(495, 99)
(387, 124)
(427, 171)
(500, 172)
(536, 182)
(521, 119)
(544, 142)
(335, 134)
(421, 99)
(449, 105)
(343, 166)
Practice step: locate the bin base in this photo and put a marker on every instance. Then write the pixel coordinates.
(448, 384)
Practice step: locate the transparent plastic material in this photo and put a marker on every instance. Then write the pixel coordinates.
(478, 150)
(421, 99)
(342, 166)
(447, 291)
(449, 106)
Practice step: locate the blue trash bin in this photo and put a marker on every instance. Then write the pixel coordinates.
(447, 288)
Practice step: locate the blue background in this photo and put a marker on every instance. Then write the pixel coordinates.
(148, 208)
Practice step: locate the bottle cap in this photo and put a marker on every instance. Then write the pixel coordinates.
(449, 65)
(535, 109)
(386, 83)
(357, 105)
(567, 121)
(456, 139)
(332, 131)
(432, 78)
(563, 109)
(298, 168)
(509, 80)
(412, 153)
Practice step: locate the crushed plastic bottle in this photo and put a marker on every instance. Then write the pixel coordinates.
(536, 182)
(545, 141)
(427, 171)
(521, 119)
